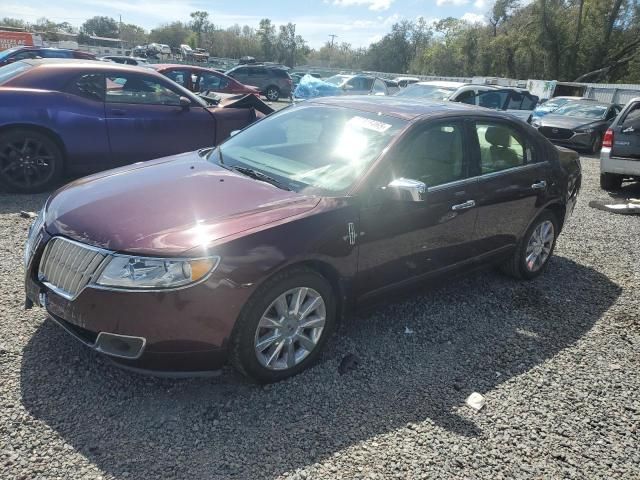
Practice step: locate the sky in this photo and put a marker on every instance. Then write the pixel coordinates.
(358, 22)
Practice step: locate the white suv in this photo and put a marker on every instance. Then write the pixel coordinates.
(620, 154)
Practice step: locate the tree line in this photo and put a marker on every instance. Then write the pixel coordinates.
(582, 40)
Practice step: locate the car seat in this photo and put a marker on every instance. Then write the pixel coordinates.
(502, 156)
(435, 157)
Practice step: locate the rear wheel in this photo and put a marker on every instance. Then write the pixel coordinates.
(30, 161)
(534, 249)
(272, 93)
(284, 327)
(610, 181)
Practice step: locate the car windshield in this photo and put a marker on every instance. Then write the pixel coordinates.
(12, 70)
(554, 103)
(5, 53)
(582, 110)
(312, 148)
(432, 92)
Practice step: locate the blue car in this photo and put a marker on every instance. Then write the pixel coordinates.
(79, 117)
(551, 105)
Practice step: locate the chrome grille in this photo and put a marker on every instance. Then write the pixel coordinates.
(556, 133)
(68, 266)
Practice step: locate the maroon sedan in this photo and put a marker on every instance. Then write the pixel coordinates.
(251, 251)
(199, 79)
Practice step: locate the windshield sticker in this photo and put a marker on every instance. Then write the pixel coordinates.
(369, 124)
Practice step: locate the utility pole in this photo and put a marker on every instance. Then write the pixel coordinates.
(333, 36)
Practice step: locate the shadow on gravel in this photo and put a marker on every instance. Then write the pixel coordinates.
(471, 334)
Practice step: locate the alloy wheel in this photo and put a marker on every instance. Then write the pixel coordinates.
(272, 94)
(539, 246)
(290, 328)
(26, 163)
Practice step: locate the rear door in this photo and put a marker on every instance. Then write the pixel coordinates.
(626, 133)
(209, 81)
(513, 180)
(145, 119)
(182, 76)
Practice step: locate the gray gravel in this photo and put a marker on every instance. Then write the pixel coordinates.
(557, 360)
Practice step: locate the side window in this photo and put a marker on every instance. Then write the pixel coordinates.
(209, 81)
(25, 55)
(433, 155)
(529, 102)
(90, 85)
(611, 114)
(495, 100)
(256, 71)
(55, 54)
(136, 89)
(633, 116)
(181, 77)
(355, 83)
(379, 87)
(467, 97)
(367, 83)
(501, 147)
(515, 101)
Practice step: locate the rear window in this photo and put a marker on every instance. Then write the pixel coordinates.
(11, 71)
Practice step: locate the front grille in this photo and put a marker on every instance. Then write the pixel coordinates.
(556, 133)
(69, 266)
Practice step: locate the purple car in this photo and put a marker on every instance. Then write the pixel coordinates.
(79, 117)
(250, 252)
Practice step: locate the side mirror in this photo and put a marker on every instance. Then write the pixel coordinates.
(406, 190)
(234, 132)
(185, 103)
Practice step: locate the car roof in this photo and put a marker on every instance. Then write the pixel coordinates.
(442, 83)
(81, 64)
(400, 107)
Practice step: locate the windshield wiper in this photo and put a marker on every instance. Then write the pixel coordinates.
(250, 172)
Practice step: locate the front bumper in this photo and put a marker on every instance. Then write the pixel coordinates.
(578, 140)
(182, 330)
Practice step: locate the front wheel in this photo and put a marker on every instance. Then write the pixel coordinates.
(284, 327)
(534, 249)
(30, 161)
(272, 94)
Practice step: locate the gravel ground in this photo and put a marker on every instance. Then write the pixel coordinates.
(556, 358)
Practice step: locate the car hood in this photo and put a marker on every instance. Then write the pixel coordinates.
(167, 206)
(571, 123)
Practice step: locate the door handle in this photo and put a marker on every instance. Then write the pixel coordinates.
(464, 206)
(628, 130)
(117, 112)
(541, 185)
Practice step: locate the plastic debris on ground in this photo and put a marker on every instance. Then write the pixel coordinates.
(632, 207)
(24, 214)
(408, 331)
(476, 401)
(312, 87)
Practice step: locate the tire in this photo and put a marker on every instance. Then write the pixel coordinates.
(596, 144)
(272, 93)
(275, 361)
(610, 181)
(518, 266)
(30, 161)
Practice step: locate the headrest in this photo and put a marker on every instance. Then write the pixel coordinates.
(498, 136)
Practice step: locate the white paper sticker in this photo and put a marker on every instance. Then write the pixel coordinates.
(369, 124)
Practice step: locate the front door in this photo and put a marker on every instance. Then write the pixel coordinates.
(403, 240)
(145, 119)
(512, 183)
(626, 134)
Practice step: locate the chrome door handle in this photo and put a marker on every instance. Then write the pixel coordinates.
(464, 206)
(628, 130)
(541, 185)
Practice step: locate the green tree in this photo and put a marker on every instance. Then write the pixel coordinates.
(172, 34)
(101, 26)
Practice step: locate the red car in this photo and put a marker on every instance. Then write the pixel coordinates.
(199, 79)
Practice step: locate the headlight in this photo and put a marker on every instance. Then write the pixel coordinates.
(34, 230)
(131, 272)
(535, 123)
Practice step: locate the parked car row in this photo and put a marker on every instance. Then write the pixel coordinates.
(78, 117)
